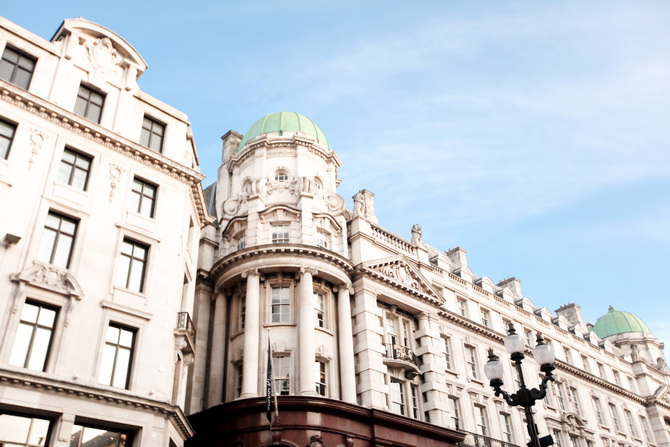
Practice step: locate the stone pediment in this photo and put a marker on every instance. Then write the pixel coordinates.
(401, 273)
(51, 278)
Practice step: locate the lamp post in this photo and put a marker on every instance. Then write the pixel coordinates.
(524, 397)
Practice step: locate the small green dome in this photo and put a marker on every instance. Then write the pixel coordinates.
(284, 122)
(616, 322)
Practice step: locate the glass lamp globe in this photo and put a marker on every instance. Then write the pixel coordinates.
(514, 343)
(543, 353)
(493, 368)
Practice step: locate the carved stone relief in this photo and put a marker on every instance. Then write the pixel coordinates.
(114, 177)
(37, 139)
(102, 55)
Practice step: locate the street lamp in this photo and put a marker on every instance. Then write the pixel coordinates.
(524, 397)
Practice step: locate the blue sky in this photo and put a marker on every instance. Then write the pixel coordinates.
(534, 134)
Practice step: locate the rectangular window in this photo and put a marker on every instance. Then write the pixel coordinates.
(601, 371)
(486, 317)
(631, 423)
(461, 308)
(471, 361)
(143, 197)
(280, 233)
(239, 373)
(481, 420)
(23, 430)
(575, 441)
(281, 304)
(320, 308)
(83, 436)
(455, 410)
(506, 424)
(152, 134)
(33, 336)
(243, 312)
(397, 397)
(599, 411)
(560, 397)
(529, 337)
(58, 240)
(7, 131)
(132, 265)
(89, 104)
(574, 400)
(17, 67)
(117, 356)
(646, 429)
(281, 369)
(74, 169)
(615, 417)
(322, 239)
(566, 354)
(447, 353)
(321, 378)
(415, 401)
(558, 437)
(585, 364)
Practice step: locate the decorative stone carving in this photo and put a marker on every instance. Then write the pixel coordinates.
(50, 277)
(402, 274)
(292, 185)
(114, 177)
(416, 235)
(102, 55)
(359, 202)
(315, 441)
(37, 139)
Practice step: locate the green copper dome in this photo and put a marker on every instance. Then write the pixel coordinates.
(616, 322)
(284, 122)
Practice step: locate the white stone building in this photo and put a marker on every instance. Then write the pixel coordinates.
(101, 210)
(360, 315)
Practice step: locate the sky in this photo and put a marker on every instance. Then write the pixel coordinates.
(534, 134)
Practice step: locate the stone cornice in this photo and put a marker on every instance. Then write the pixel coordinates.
(73, 123)
(109, 397)
(255, 251)
(275, 142)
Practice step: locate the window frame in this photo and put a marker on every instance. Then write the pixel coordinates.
(35, 326)
(279, 363)
(283, 309)
(456, 412)
(6, 137)
(471, 362)
(22, 56)
(482, 425)
(506, 427)
(129, 434)
(448, 353)
(462, 307)
(397, 397)
(139, 197)
(283, 237)
(148, 134)
(73, 168)
(117, 347)
(485, 316)
(92, 111)
(14, 412)
(321, 369)
(128, 267)
(55, 246)
(323, 239)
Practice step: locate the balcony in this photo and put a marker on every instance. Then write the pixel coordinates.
(403, 357)
(477, 440)
(185, 332)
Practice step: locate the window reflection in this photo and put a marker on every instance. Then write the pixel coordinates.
(23, 431)
(83, 436)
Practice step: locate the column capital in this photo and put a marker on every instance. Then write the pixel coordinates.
(250, 272)
(348, 287)
(311, 270)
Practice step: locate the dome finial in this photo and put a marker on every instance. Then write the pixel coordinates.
(611, 308)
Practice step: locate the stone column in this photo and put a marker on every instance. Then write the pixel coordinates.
(434, 382)
(306, 335)
(216, 361)
(252, 323)
(346, 343)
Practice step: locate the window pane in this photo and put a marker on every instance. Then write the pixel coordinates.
(121, 368)
(23, 430)
(21, 345)
(107, 364)
(40, 349)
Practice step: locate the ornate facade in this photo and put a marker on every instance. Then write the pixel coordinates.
(102, 206)
(357, 315)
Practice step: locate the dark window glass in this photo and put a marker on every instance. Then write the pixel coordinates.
(7, 131)
(86, 436)
(17, 67)
(117, 356)
(74, 169)
(152, 134)
(133, 261)
(143, 197)
(57, 240)
(33, 336)
(89, 103)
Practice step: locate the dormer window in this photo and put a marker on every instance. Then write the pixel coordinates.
(153, 132)
(281, 176)
(322, 239)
